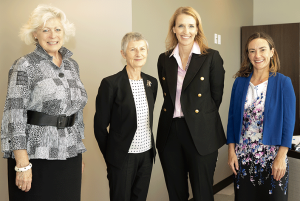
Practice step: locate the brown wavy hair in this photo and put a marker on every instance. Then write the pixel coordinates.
(245, 70)
(172, 41)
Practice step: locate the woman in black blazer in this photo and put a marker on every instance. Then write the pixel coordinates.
(189, 129)
(125, 103)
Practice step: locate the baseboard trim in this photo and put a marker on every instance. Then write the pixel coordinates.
(221, 185)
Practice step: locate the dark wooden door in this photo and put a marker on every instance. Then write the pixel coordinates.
(287, 44)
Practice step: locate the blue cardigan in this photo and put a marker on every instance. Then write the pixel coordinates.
(279, 113)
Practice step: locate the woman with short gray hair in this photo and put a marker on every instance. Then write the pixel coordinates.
(125, 103)
(42, 123)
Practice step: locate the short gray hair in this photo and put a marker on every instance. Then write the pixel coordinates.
(132, 36)
(39, 17)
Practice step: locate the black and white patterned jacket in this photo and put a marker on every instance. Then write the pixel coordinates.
(36, 83)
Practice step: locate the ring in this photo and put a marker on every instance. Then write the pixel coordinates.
(20, 186)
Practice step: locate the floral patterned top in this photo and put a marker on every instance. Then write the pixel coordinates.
(250, 150)
(252, 128)
(36, 83)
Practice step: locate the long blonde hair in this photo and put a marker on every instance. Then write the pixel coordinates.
(245, 69)
(172, 41)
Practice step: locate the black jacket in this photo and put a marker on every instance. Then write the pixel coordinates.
(115, 108)
(201, 96)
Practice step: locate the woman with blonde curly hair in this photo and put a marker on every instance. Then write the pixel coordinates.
(42, 123)
(190, 130)
(261, 123)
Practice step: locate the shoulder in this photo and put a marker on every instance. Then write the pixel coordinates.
(165, 55)
(149, 77)
(239, 82)
(284, 81)
(213, 53)
(73, 63)
(280, 78)
(113, 79)
(23, 63)
(241, 79)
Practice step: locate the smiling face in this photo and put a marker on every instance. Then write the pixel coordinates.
(185, 29)
(50, 36)
(136, 54)
(260, 54)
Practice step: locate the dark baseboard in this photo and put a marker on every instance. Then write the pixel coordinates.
(221, 185)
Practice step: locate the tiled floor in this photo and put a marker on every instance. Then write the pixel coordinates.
(227, 194)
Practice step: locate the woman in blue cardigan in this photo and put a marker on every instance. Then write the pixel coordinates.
(260, 124)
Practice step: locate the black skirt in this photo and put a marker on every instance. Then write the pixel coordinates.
(58, 180)
(260, 185)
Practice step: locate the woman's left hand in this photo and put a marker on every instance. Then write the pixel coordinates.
(83, 165)
(279, 165)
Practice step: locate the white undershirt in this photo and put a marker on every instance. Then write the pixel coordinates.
(142, 138)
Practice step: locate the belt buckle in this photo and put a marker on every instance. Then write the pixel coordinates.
(61, 121)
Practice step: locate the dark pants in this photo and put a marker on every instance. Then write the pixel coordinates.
(131, 183)
(180, 158)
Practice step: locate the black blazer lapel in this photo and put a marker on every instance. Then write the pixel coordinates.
(126, 88)
(194, 67)
(149, 94)
(171, 76)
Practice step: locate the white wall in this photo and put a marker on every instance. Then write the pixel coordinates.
(276, 11)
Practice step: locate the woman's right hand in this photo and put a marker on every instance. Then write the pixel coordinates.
(23, 180)
(232, 158)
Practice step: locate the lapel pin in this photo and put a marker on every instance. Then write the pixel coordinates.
(149, 83)
(202, 78)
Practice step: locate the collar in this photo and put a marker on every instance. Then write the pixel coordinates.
(195, 50)
(65, 53)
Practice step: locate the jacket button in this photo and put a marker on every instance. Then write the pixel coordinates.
(201, 78)
(196, 111)
(165, 94)
(165, 109)
(163, 78)
(199, 95)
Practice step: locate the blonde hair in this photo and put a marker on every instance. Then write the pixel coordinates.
(245, 69)
(172, 41)
(39, 17)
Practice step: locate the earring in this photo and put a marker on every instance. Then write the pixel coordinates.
(272, 60)
(34, 37)
(250, 65)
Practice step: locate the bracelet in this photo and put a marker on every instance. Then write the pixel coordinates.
(23, 169)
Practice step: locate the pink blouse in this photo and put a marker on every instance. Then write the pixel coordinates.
(180, 76)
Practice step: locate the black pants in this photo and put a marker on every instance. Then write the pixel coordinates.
(53, 180)
(180, 158)
(131, 183)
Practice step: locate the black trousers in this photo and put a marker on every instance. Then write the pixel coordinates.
(131, 183)
(58, 180)
(180, 158)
